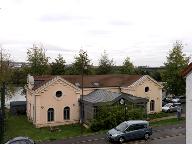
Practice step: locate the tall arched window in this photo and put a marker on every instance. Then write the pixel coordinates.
(66, 113)
(152, 105)
(50, 115)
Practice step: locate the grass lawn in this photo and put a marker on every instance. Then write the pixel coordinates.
(172, 121)
(20, 126)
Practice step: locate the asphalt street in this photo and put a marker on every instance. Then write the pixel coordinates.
(174, 134)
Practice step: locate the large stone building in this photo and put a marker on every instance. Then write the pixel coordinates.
(54, 100)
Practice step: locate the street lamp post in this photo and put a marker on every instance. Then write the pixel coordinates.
(125, 105)
(82, 86)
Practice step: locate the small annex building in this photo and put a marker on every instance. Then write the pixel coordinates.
(55, 100)
(98, 98)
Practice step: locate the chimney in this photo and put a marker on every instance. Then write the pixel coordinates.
(30, 81)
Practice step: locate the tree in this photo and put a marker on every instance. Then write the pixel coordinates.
(81, 61)
(128, 67)
(5, 68)
(5, 74)
(156, 74)
(58, 67)
(38, 60)
(105, 64)
(176, 62)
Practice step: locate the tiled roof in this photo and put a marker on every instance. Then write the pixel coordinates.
(187, 70)
(91, 81)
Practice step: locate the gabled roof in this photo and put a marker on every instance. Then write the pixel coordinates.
(187, 70)
(41, 83)
(90, 80)
(103, 96)
(142, 79)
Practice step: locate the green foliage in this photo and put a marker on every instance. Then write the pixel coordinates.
(81, 61)
(141, 71)
(105, 64)
(176, 62)
(5, 68)
(110, 116)
(19, 76)
(58, 67)
(128, 67)
(38, 60)
(156, 75)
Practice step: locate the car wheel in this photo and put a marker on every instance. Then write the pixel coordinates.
(121, 139)
(146, 136)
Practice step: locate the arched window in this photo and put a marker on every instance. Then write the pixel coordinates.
(50, 115)
(146, 89)
(66, 113)
(152, 105)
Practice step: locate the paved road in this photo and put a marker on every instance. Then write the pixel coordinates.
(161, 135)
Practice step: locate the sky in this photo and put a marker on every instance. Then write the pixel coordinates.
(143, 30)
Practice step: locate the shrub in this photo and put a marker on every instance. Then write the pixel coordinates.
(110, 116)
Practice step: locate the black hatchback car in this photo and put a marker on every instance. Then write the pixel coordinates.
(129, 130)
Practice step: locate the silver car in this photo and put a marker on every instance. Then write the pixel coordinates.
(129, 130)
(170, 107)
(20, 140)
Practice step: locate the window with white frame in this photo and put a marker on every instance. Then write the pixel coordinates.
(50, 115)
(152, 105)
(66, 113)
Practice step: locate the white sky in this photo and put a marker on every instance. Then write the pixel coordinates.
(144, 30)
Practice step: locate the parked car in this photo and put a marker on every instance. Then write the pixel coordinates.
(167, 99)
(20, 140)
(176, 100)
(182, 99)
(170, 107)
(129, 130)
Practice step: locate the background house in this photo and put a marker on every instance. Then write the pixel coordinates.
(54, 100)
(188, 74)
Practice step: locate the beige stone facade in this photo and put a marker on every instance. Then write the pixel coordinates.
(46, 108)
(153, 94)
(40, 100)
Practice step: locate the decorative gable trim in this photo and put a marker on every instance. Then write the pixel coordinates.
(142, 79)
(44, 87)
(187, 70)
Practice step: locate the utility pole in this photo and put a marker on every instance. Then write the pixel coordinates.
(81, 97)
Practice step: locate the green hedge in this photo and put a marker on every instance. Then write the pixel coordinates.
(110, 116)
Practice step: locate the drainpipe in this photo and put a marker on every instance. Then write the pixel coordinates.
(34, 109)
